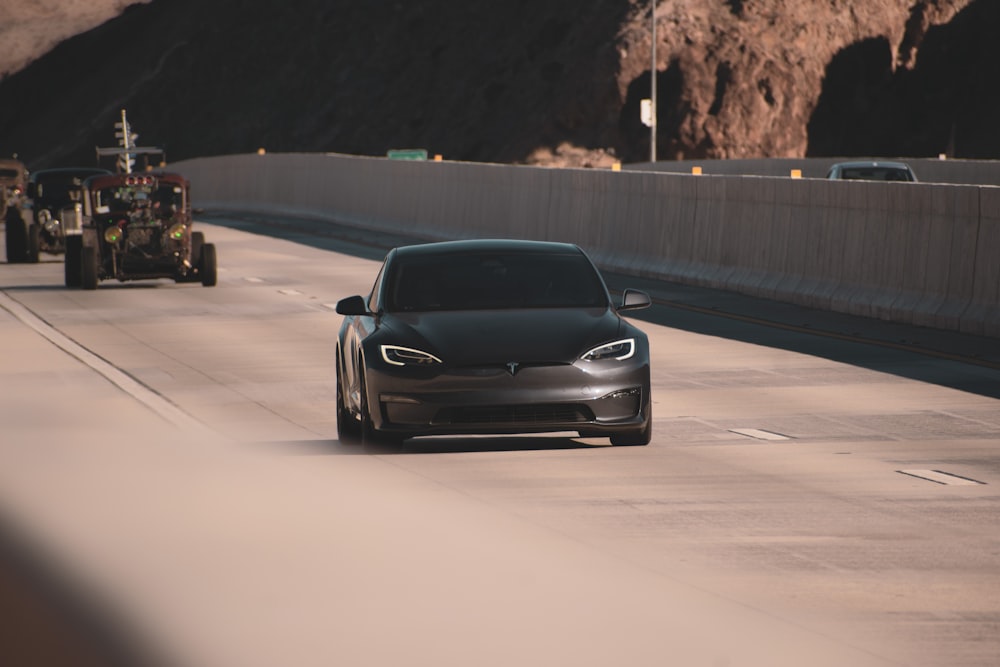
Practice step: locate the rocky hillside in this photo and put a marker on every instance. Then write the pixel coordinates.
(528, 81)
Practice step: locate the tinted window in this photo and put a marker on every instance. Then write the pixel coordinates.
(56, 188)
(376, 290)
(493, 281)
(875, 174)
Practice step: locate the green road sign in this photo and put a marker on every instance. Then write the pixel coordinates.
(407, 154)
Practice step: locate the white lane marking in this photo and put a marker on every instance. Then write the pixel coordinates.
(940, 477)
(331, 306)
(152, 400)
(251, 279)
(758, 434)
(290, 292)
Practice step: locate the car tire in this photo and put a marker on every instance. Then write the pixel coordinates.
(197, 241)
(34, 244)
(72, 265)
(16, 236)
(208, 266)
(88, 268)
(348, 429)
(194, 274)
(636, 438)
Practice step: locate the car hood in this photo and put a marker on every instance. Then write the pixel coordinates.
(501, 336)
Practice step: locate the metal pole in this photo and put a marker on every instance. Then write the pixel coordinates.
(652, 78)
(126, 140)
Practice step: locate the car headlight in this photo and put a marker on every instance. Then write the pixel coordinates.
(619, 350)
(176, 231)
(113, 234)
(407, 356)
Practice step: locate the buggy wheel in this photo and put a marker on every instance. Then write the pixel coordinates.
(194, 273)
(34, 245)
(72, 264)
(88, 267)
(197, 241)
(208, 265)
(16, 237)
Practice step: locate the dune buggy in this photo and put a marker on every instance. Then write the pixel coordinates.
(138, 227)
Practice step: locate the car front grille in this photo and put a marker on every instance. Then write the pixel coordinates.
(560, 413)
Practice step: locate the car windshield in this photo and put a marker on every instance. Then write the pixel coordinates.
(122, 198)
(487, 281)
(56, 188)
(875, 174)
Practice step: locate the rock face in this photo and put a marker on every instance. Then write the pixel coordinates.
(788, 78)
(558, 82)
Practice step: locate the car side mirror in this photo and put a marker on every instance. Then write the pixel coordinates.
(633, 299)
(352, 305)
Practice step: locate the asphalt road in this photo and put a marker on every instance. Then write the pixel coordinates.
(172, 490)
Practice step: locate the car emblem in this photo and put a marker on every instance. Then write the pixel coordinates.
(512, 367)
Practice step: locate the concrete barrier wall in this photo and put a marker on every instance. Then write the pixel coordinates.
(924, 254)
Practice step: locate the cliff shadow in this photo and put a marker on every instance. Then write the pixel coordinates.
(938, 96)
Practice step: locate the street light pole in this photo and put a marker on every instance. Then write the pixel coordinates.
(652, 78)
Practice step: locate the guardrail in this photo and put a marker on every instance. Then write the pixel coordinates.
(924, 254)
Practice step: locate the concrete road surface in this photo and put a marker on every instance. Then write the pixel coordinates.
(172, 490)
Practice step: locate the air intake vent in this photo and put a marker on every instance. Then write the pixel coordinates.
(561, 413)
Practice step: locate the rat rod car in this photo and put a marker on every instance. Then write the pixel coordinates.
(13, 177)
(138, 227)
(54, 193)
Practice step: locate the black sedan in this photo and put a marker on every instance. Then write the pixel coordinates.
(491, 337)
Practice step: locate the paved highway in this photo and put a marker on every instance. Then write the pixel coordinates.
(171, 483)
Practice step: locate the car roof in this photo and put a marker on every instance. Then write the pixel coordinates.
(872, 163)
(487, 245)
(79, 171)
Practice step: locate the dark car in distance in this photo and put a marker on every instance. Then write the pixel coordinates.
(872, 170)
(54, 193)
(13, 180)
(491, 337)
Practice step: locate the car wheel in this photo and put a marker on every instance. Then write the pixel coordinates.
(88, 267)
(636, 438)
(72, 264)
(208, 265)
(16, 237)
(34, 245)
(194, 274)
(197, 241)
(348, 431)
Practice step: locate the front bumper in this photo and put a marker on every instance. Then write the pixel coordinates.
(589, 398)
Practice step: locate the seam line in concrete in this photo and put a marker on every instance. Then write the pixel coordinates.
(156, 402)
